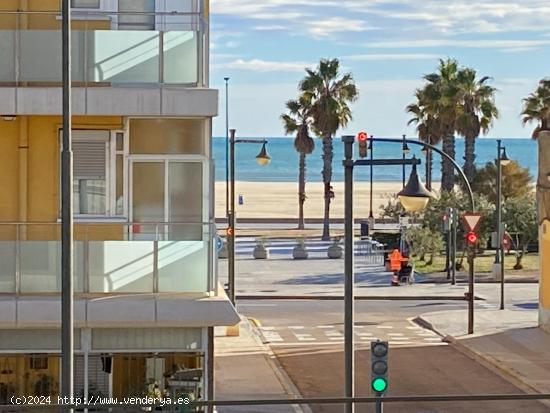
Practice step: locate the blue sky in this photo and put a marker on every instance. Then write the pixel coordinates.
(264, 46)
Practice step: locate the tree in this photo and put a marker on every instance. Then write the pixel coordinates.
(476, 113)
(331, 95)
(536, 108)
(437, 105)
(423, 242)
(427, 128)
(517, 181)
(297, 121)
(520, 216)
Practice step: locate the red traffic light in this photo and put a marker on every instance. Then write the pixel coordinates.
(362, 136)
(471, 237)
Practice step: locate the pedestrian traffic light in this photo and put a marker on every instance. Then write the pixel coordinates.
(471, 237)
(363, 139)
(379, 366)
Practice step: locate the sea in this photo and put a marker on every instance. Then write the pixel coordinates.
(284, 159)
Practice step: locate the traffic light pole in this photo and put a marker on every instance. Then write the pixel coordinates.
(231, 220)
(379, 405)
(349, 355)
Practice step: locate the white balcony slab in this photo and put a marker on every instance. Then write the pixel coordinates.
(147, 310)
(112, 100)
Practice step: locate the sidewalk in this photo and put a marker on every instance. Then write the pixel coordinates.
(245, 368)
(507, 341)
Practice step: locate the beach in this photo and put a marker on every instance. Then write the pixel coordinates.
(280, 199)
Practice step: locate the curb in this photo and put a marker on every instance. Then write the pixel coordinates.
(286, 382)
(359, 297)
(485, 360)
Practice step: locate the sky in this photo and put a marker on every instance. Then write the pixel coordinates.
(263, 46)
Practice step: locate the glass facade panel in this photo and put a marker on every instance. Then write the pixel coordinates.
(167, 136)
(180, 63)
(123, 56)
(183, 266)
(7, 56)
(148, 192)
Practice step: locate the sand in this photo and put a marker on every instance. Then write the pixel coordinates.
(280, 199)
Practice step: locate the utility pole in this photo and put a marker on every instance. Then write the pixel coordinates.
(226, 79)
(349, 355)
(67, 345)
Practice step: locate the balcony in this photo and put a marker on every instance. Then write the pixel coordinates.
(132, 63)
(109, 259)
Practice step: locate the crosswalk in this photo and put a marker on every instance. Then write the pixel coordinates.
(402, 335)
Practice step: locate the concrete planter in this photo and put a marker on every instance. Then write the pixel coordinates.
(300, 252)
(335, 251)
(260, 252)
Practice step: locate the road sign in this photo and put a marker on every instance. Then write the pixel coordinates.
(219, 243)
(471, 221)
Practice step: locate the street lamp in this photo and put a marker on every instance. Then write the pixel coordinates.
(414, 197)
(502, 160)
(226, 79)
(262, 159)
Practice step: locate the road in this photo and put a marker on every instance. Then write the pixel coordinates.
(307, 338)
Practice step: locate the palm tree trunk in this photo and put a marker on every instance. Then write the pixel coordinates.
(327, 177)
(429, 167)
(447, 168)
(301, 190)
(469, 157)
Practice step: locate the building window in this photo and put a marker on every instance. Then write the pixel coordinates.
(86, 4)
(99, 173)
(38, 362)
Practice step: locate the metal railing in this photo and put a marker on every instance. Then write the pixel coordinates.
(109, 257)
(108, 48)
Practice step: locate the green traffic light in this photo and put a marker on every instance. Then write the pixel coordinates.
(379, 384)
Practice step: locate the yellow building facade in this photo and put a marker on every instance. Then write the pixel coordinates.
(543, 199)
(146, 291)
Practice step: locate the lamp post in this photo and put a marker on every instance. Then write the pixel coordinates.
(406, 150)
(67, 320)
(262, 159)
(226, 79)
(412, 195)
(501, 160)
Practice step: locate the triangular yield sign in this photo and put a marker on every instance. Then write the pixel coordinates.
(471, 220)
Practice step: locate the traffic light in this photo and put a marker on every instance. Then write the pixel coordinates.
(379, 366)
(471, 237)
(363, 139)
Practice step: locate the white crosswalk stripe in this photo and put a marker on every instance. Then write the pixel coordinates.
(396, 335)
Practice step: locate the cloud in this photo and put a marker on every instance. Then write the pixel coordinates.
(392, 56)
(474, 43)
(258, 65)
(336, 25)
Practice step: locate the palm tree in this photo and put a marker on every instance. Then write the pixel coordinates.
(536, 108)
(427, 128)
(297, 120)
(437, 107)
(476, 113)
(330, 94)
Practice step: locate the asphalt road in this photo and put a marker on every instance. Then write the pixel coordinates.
(307, 338)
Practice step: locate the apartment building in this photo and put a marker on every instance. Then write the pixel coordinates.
(146, 290)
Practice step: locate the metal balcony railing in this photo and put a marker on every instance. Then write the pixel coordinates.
(109, 258)
(108, 48)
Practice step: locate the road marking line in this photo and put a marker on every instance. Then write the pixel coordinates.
(387, 327)
(414, 327)
(400, 338)
(307, 339)
(369, 338)
(395, 334)
(325, 326)
(336, 338)
(397, 343)
(296, 327)
(267, 328)
(432, 339)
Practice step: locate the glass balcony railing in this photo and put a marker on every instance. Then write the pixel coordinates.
(109, 258)
(105, 51)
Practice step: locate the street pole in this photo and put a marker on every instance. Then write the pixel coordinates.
(371, 143)
(379, 405)
(67, 345)
(499, 251)
(231, 220)
(453, 245)
(226, 79)
(349, 355)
